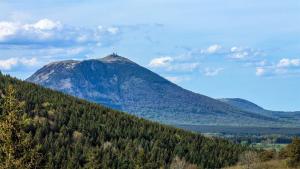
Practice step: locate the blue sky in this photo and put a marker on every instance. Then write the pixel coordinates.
(229, 48)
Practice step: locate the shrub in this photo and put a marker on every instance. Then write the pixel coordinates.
(293, 152)
(250, 160)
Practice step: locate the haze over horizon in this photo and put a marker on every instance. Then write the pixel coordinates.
(235, 49)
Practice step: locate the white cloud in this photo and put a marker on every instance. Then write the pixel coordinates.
(211, 49)
(16, 32)
(212, 71)
(161, 61)
(8, 64)
(44, 24)
(190, 61)
(28, 62)
(260, 71)
(235, 49)
(285, 62)
(49, 33)
(284, 67)
(113, 30)
(171, 64)
(238, 53)
(7, 29)
(247, 54)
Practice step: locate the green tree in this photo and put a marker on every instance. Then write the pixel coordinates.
(94, 159)
(293, 151)
(16, 148)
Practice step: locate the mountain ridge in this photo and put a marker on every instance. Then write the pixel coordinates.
(242, 104)
(249, 106)
(120, 83)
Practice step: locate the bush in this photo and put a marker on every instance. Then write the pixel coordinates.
(283, 154)
(178, 163)
(267, 155)
(293, 152)
(250, 160)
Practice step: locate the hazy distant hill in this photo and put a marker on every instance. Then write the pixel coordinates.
(124, 85)
(246, 105)
(243, 104)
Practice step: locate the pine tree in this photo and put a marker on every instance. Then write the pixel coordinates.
(94, 159)
(16, 149)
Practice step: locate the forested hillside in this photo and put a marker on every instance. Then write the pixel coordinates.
(73, 133)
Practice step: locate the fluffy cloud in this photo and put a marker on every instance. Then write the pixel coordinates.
(7, 29)
(172, 64)
(235, 53)
(161, 61)
(46, 32)
(113, 30)
(247, 54)
(44, 24)
(7, 64)
(284, 67)
(211, 49)
(260, 71)
(190, 61)
(212, 71)
(285, 62)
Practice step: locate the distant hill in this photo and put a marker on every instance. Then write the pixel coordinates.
(120, 83)
(74, 133)
(246, 105)
(243, 104)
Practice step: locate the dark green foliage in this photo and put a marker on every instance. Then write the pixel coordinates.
(293, 153)
(17, 151)
(267, 155)
(79, 134)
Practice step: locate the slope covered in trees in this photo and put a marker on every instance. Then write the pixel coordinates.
(73, 133)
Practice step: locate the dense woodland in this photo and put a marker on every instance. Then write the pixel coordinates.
(66, 132)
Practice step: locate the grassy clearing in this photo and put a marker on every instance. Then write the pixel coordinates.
(265, 146)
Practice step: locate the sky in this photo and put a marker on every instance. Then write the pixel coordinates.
(220, 48)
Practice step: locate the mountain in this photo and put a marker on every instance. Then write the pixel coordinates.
(118, 82)
(243, 104)
(246, 105)
(72, 133)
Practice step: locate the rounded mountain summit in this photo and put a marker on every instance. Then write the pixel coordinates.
(118, 82)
